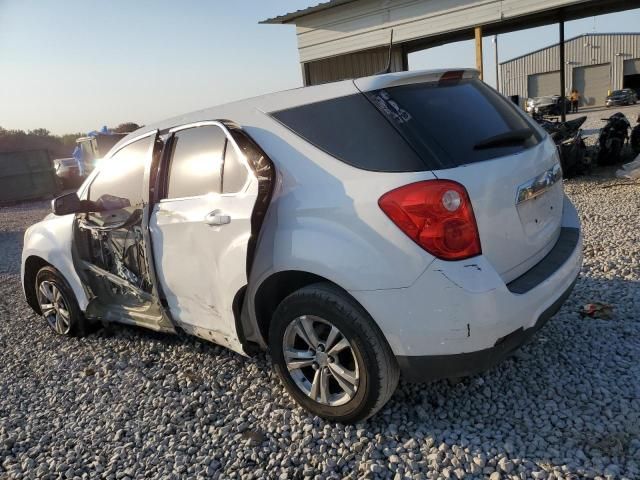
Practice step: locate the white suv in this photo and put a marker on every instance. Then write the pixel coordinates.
(410, 223)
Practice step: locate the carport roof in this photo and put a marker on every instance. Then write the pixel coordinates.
(288, 17)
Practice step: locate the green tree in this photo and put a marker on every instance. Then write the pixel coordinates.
(40, 132)
(126, 127)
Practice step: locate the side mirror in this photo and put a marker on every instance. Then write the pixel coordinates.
(66, 204)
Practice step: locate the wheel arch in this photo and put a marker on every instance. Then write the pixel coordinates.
(274, 289)
(32, 266)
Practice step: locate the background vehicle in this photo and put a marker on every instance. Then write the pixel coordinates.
(96, 146)
(349, 228)
(571, 147)
(68, 172)
(626, 96)
(548, 105)
(612, 138)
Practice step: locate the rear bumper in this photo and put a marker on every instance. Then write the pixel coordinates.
(434, 367)
(459, 318)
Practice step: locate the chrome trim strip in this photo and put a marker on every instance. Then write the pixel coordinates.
(538, 185)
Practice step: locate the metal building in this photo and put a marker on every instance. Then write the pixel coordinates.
(341, 39)
(594, 65)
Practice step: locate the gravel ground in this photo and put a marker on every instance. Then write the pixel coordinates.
(126, 403)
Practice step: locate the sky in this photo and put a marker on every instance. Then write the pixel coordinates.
(76, 65)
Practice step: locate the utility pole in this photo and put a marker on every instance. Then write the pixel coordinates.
(495, 54)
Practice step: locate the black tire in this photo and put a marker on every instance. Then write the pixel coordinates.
(377, 366)
(77, 325)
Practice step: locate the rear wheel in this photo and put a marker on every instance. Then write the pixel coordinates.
(330, 355)
(58, 304)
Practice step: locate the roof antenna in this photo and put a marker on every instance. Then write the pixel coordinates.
(388, 68)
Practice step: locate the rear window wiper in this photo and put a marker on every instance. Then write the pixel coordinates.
(514, 137)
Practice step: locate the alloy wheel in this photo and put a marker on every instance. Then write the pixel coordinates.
(320, 360)
(54, 307)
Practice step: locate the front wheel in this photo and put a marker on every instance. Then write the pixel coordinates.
(58, 304)
(332, 358)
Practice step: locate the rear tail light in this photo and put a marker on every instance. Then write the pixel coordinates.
(437, 215)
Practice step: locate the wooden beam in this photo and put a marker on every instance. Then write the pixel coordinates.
(478, 32)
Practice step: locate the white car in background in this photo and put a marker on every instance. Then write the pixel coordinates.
(407, 224)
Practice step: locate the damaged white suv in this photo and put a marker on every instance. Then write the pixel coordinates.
(406, 224)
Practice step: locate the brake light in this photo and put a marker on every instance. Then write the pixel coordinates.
(437, 215)
(452, 76)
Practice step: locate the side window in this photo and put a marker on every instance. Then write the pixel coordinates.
(235, 173)
(196, 161)
(118, 184)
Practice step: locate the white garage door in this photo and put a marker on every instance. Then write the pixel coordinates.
(541, 84)
(593, 83)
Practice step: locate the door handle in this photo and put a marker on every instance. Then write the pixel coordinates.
(217, 218)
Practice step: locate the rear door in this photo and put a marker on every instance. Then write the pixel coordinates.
(465, 131)
(201, 229)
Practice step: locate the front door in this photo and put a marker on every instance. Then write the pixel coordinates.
(112, 253)
(201, 229)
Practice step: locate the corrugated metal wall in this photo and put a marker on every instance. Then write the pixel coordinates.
(356, 26)
(352, 65)
(593, 82)
(590, 49)
(26, 175)
(540, 84)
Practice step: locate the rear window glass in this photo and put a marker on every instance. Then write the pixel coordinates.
(351, 130)
(234, 172)
(196, 161)
(446, 122)
(425, 126)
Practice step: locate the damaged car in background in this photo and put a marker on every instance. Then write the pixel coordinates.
(347, 228)
(571, 147)
(547, 105)
(68, 172)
